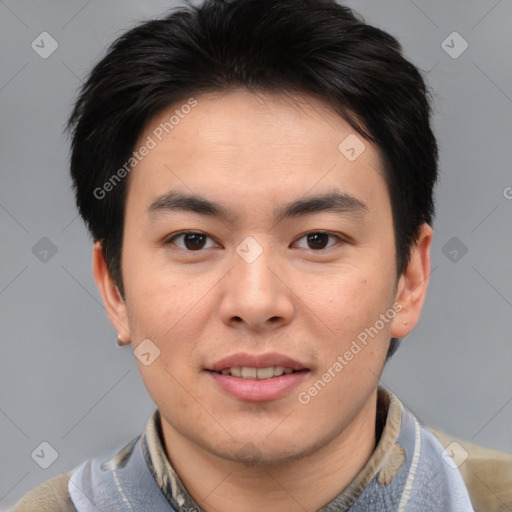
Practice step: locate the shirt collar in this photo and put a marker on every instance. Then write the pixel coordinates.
(389, 417)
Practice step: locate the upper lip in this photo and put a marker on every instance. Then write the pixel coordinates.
(256, 361)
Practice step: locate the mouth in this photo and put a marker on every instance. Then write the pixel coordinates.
(252, 373)
(257, 378)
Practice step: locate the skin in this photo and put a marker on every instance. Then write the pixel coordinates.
(253, 152)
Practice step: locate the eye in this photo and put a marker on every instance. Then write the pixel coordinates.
(317, 240)
(192, 240)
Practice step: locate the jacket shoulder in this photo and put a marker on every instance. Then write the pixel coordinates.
(50, 496)
(487, 473)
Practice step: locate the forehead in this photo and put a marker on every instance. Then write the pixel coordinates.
(248, 144)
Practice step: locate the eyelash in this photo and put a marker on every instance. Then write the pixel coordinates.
(169, 241)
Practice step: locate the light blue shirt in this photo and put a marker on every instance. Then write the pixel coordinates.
(422, 480)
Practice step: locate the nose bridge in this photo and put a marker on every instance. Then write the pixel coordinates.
(254, 293)
(252, 262)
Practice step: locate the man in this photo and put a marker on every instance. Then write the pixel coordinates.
(258, 179)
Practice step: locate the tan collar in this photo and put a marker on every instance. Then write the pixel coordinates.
(389, 409)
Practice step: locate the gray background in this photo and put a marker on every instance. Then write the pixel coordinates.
(63, 379)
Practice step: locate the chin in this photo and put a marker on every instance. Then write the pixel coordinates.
(252, 455)
(262, 450)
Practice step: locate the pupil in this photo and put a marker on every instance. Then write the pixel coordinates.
(315, 240)
(194, 239)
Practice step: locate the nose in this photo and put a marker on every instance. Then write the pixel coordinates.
(255, 295)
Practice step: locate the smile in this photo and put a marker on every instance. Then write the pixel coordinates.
(246, 372)
(256, 386)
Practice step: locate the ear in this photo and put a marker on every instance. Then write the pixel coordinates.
(114, 303)
(413, 284)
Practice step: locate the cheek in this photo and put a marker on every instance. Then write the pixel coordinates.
(171, 310)
(165, 384)
(353, 359)
(350, 300)
(161, 299)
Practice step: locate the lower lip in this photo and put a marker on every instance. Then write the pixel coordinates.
(258, 390)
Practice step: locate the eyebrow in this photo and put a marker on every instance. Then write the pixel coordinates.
(333, 201)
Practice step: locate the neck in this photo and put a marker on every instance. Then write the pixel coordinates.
(304, 484)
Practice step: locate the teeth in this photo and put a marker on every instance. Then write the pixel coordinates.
(236, 372)
(263, 373)
(256, 373)
(249, 373)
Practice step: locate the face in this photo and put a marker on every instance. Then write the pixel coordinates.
(291, 268)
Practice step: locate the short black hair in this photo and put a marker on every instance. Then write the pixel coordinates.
(313, 47)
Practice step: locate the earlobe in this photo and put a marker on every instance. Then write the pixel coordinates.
(413, 284)
(112, 299)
